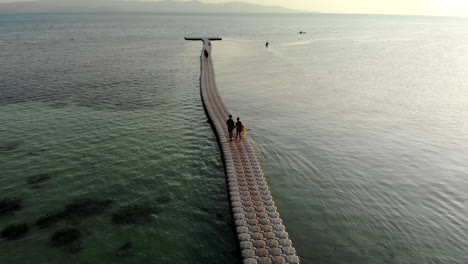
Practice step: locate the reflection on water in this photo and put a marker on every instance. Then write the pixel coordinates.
(363, 140)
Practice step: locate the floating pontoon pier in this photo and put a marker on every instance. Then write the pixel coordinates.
(260, 231)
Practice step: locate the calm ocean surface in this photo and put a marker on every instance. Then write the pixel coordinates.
(361, 126)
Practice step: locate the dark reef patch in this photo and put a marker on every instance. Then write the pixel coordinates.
(9, 205)
(37, 152)
(9, 146)
(164, 200)
(75, 212)
(68, 239)
(38, 179)
(125, 250)
(50, 219)
(133, 215)
(87, 208)
(15, 232)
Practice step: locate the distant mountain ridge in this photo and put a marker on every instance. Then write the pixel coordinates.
(165, 6)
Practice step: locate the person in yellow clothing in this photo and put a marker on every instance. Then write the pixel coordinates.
(239, 127)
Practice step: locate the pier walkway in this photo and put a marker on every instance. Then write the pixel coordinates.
(260, 231)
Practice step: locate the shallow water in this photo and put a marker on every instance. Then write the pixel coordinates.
(108, 116)
(360, 125)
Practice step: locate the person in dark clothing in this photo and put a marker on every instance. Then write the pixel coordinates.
(230, 125)
(206, 54)
(267, 44)
(239, 128)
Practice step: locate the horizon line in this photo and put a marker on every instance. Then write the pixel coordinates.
(232, 13)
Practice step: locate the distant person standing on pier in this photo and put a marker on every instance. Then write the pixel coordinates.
(230, 125)
(239, 128)
(206, 54)
(266, 45)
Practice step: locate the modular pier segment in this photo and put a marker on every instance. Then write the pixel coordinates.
(260, 231)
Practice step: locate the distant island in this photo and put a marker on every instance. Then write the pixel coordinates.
(165, 6)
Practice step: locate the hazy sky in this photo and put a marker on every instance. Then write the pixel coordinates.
(415, 7)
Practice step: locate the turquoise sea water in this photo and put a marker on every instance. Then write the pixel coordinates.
(109, 116)
(360, 125)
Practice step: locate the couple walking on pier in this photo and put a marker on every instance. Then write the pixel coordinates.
(240, 129)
